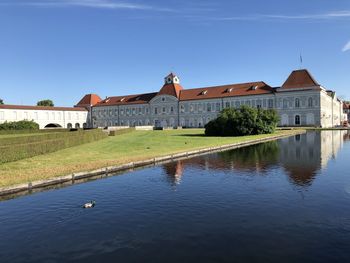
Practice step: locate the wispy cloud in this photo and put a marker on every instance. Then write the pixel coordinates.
(325, 16)
(101, 4)
(346, 47)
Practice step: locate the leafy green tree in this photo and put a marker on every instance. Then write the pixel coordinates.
(45, 103)
(1, 101)
(243, 121)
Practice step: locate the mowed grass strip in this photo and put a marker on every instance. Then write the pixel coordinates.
(114, 150)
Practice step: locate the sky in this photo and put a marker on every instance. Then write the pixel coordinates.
(64, 49)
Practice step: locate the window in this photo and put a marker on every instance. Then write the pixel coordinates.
(209, 107)
(47, 116)
(2, 115)
(258, 104)
(155, 110)
(310, 102)
(191, 108)
(140, 110)
(172, 109)
(270, 103)
(163, 99)
(285, 104)
(218, 106)
(59, 116)
(26, 115)
(297, 119)
(297, 103)
(182, 108)
(227, 104)
(164, 109)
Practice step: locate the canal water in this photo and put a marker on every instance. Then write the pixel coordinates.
(281, 201)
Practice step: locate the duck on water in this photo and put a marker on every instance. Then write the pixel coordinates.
(90, 204)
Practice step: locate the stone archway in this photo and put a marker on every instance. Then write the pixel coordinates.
(53, 125)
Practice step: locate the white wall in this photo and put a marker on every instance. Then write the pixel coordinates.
(45, 117)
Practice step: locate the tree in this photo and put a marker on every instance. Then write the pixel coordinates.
(48, 103)
(243, 121)
(1, 101)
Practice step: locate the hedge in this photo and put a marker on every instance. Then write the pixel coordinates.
(36, 138)
(5, 132)
(19, 125)
(121, 131)
(14, 152)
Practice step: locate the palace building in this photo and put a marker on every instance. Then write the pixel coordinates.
(300, 101)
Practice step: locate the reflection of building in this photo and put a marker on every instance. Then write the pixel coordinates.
(174, 171)
(301, 156)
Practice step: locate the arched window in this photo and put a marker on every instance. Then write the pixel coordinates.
(310, 102)
(77, 125)
(69, 126)
(297, 103)
(297, 119)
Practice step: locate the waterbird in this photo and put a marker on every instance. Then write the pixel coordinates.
(91, 204)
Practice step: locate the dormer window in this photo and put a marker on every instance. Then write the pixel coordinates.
(138, 98)
(122, 99)
(254, 87)
(204, 92)
(107, 100)
(229, 90)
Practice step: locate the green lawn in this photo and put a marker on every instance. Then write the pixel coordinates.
(114, 150)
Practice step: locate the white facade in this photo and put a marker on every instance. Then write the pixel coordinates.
(301, 106)
(46, 118)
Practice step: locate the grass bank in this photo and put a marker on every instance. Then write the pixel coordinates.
(114, 150)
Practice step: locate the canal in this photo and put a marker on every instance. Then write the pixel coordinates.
(281, 201)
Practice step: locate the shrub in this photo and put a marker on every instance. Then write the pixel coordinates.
(19, 125)
(28, 146)
(242, 121)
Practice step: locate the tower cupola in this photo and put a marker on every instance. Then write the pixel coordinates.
(171, 79)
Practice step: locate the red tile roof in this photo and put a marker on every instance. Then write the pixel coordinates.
(171, 89)
(300, 79)
(233, 90)
(89, 99)
(22, 107)
(129, 99)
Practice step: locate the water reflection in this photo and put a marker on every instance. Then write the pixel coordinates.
(301, 157)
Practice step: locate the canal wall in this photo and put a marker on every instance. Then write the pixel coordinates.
(112, 170)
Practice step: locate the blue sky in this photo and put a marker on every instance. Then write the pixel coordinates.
(63, 49)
